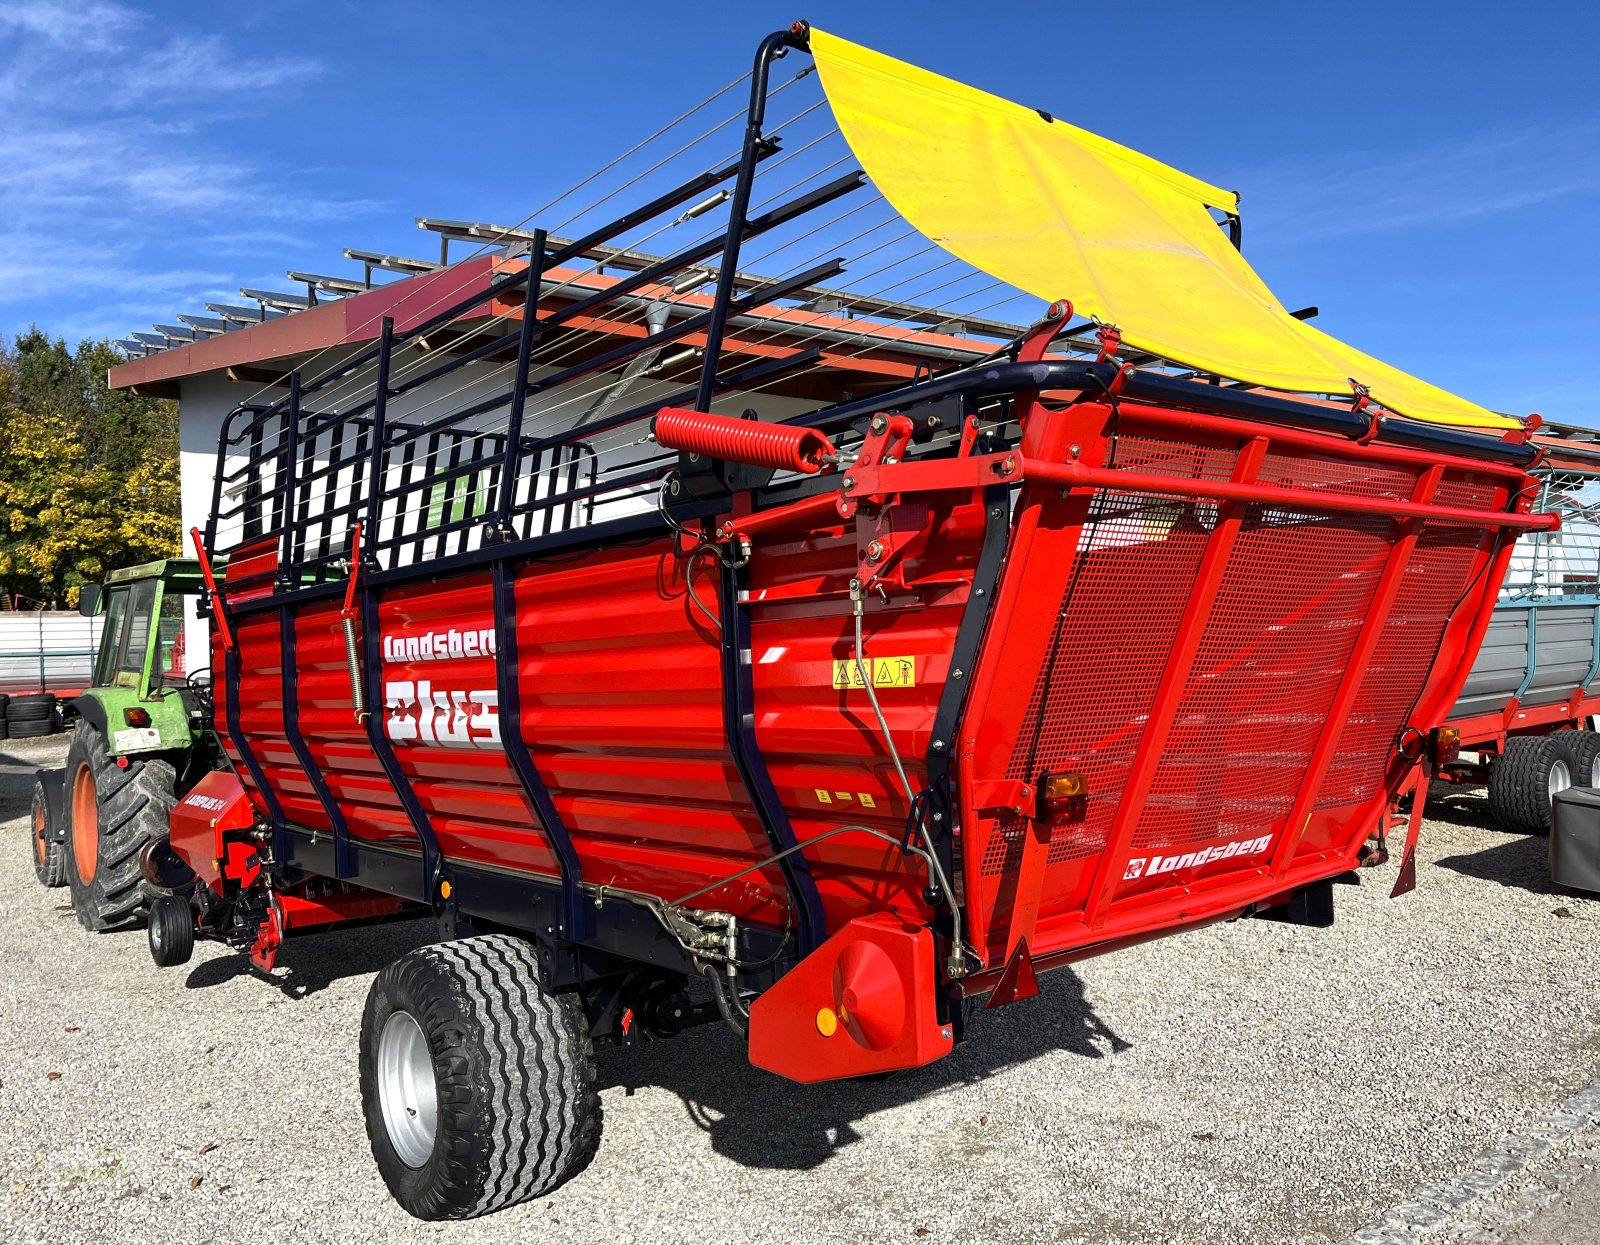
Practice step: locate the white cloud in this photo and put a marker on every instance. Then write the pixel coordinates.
(1486, 174)
(83, 27)
(115, 152)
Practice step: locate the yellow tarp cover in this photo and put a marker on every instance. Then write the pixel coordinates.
(1062, 213)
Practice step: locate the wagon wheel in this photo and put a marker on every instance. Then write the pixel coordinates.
(478, 1087)
(1525, 780)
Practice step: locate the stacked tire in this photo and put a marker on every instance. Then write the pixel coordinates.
(31, 716)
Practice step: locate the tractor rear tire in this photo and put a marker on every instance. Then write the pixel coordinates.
(171, 930)
(477, 1086)
(112, 812)
(1524, 781)
(49, 853)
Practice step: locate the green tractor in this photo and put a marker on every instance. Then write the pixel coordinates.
(142, 737)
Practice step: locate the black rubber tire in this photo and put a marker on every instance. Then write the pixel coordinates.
(49, 853)
(170, 928)
(1519, 782)
(1584, 747)
(34, 707)
(31, 730)
(514, 1073)
(5, 729)
(133, 804)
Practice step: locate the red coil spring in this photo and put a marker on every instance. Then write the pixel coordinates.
(782, 447)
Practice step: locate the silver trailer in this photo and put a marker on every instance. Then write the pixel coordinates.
(1526, 713)
(47, 651)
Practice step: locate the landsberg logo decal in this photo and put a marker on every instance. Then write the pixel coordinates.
(1150, 866)
(437, 712)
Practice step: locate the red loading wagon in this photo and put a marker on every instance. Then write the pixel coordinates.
(852, 714)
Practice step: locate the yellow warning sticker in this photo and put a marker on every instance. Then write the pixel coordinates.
(886, 672)
(823, 796)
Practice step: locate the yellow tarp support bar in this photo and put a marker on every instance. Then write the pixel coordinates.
(1063, 213)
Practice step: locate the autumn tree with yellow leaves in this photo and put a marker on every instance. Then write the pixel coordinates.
(88, 475)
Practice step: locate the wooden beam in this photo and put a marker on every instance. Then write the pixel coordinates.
(156, 389)
(242, 374)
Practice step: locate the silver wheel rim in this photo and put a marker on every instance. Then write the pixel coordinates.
(155, 932)
(1560, 778)
(406, 1093)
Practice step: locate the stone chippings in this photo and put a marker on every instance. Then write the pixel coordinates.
(1253, 1083)
(1507, 1185)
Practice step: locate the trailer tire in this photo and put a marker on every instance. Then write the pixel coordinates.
(1585, 749)
(507, 1069)
(112, 811)
(1523, 782)
(49, 855)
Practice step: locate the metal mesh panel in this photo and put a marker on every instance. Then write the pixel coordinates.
(1434, 581)
(1290, 607)
(1092, 693)
(1287, 613)
(1174, 458)
(1289, 469)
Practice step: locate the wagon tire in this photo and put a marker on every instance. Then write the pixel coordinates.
(1523, 782)
(49, 855)
(1585, 749)
(112, 811)
(478, 1087)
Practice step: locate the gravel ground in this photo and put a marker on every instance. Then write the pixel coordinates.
(1253, 1082)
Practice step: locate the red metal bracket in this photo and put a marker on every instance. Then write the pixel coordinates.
(1044, 331)
(933, 476)
(217, 614)
(1010, 795)
(1110, 341)
(865, 1001)
(1017, 982)
(1407, 881)
(348, 613)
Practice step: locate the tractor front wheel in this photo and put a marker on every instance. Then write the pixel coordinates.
(112, 810)
(49, 854)
(478, 1087)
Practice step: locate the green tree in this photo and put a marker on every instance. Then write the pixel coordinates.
(88, 475)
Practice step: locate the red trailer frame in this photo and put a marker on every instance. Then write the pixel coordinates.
(880, 708)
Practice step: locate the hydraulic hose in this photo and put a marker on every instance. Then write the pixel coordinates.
(718, 986)
(956, 966)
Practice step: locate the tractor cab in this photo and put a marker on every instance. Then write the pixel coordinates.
(147, 692)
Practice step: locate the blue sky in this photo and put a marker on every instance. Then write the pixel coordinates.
(1428, 174)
